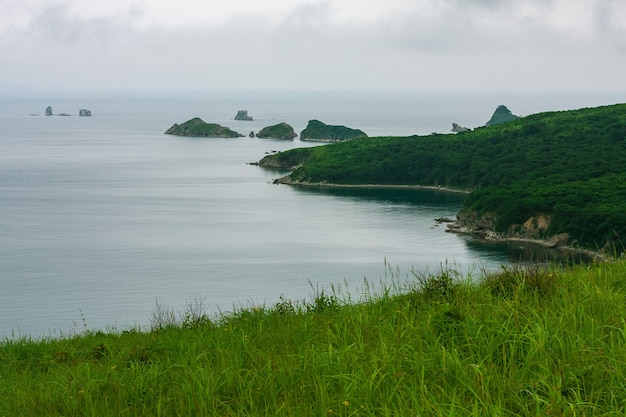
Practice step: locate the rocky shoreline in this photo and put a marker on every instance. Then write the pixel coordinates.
(288, 181)
(557, 242)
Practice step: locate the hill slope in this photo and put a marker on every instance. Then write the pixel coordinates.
(524, 342)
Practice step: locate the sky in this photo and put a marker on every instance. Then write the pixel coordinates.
(302, 45)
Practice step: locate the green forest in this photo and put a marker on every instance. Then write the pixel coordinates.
(569, 165)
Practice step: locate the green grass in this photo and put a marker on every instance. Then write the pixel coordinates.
(520, 341)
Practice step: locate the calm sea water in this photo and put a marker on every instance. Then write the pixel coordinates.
(103, 217)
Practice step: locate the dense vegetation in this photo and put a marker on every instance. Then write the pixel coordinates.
(197, 127)
(520, 342)
(318, 131)
(567, 165)
(280, 131)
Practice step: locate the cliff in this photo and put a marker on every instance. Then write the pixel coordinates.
(321, 132)
(197, 127)
(279, 131)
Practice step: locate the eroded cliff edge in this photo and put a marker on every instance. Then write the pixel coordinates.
(534, 230)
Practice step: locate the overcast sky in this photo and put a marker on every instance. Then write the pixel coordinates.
(313, 45)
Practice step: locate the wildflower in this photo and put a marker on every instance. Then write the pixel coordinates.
(346, 403)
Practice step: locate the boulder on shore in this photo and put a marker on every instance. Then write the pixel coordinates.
(197, 127)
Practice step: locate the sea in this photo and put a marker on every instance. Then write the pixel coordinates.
(105, 221)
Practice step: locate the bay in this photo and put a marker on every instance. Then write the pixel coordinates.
(103, 217)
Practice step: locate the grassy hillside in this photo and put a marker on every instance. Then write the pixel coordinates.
(569, 166)
(520, 342)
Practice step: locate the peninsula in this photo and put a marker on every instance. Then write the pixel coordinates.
(557, 177)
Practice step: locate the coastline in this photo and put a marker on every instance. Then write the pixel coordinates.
(552, 243)
(287, 181)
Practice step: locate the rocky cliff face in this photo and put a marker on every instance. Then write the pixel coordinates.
(534, 229)
(469, 222)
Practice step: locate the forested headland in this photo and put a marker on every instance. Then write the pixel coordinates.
(567, 168)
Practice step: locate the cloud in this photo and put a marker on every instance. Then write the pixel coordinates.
(315, 44)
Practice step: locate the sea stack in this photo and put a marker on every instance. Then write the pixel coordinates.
(243, 115)
(49, 111)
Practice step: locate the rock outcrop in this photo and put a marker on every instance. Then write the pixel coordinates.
(84, 112)
(535, 229)
(197, 127)
(458, 129)
(321, 132)
(279, 131)
(501, 115)
(49, 111)
(243, 115)
(286, 160)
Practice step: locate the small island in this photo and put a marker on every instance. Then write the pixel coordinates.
(197, 127)
(279, 131)
(321, 132)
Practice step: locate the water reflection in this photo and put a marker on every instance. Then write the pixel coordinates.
(416, 196)
(527, 252)
(510, 251)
